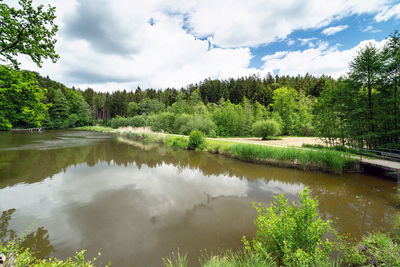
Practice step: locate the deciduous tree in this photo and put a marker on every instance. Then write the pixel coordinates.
(28, 30)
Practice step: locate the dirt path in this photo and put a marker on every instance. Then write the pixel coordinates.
(286, 141)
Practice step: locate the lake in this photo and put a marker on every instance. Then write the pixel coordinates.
(136, 203)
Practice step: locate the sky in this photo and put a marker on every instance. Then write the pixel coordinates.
(114, 45)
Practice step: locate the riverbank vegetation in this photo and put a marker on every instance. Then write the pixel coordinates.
(293, 234)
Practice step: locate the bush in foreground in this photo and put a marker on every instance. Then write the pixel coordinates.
(196, 140)
(290, 233)
(266, 128)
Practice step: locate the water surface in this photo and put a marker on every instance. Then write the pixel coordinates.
(136, 203)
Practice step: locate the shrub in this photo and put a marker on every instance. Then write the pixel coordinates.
(266, 128)
(137, 121)
(196, 140)
(376, 249)
(163, 122)
(199, 122)
(291, 233)
(25, 257)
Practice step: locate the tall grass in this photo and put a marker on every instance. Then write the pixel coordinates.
(232, 259)
(328, 160)
(176, 260)
(142, 133)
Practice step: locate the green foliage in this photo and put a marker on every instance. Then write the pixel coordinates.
(24, 104)
(16, 253)
(265, 128)
(29, 31)
(200, 122)
(59, 110)
(285, 103)
(137, 121)
(376, 249)
(68, 109)
(196, 140)
(133, 109)
(149, 106)
(20, 100)
(183, 123)
(177, 141)
(363, 109)
(292, 234)
(230, 120)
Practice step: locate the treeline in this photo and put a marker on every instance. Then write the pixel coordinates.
(105, 106)
(362, 110)
(292, 114)
(29, 100)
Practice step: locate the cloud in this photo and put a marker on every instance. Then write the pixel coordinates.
(388, 13)
(92, 21)
(119, 44)
(371, 29)
(324, 59)
(307, 41)
(333, 30)
(291, 42)
(235, 23)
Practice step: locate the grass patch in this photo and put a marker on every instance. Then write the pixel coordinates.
(327, 160)
(95, 129)
(177, 141)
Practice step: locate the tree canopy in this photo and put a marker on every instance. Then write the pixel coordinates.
(28, 30)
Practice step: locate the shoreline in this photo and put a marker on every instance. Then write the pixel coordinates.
(288, 157)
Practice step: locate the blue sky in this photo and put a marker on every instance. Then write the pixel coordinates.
(359, 28)
(109, 45)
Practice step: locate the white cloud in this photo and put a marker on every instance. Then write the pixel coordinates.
(291, 42)
(308, 41)
(110, 45)
(388, 13)
(323, 59)
(334, 30)
(250, 23)
(371, 29)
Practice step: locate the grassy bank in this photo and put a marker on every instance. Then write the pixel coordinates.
(306, 159)
(96, 129)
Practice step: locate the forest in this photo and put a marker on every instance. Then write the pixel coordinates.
(358, 110)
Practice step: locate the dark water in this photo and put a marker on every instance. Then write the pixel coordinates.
(137, 203)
